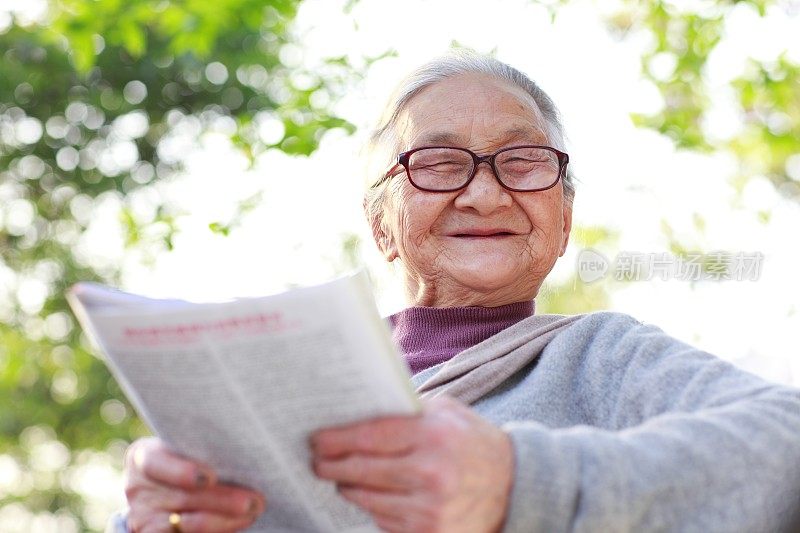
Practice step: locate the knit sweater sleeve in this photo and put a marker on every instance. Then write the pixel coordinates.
(675, 439)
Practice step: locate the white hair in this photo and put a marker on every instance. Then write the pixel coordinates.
(384, 143)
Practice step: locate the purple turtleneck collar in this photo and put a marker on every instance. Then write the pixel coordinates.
(428, 336)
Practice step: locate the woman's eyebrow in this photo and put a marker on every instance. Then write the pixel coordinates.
(444, 138)
(527, 134)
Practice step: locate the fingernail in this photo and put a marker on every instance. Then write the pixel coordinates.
(201, 479)
(253, 507)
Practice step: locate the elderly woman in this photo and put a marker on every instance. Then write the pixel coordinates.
(533, 422)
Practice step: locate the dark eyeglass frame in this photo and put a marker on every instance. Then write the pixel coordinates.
(404, 157)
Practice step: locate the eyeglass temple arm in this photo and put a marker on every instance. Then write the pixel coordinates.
(392, 172)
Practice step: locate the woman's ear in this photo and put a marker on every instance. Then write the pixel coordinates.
(381, 233)
(567, 226)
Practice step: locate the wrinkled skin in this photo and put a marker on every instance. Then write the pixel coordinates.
(159, 482)
(446, 469)
(420, 228)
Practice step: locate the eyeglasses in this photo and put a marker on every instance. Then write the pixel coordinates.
(527, 168)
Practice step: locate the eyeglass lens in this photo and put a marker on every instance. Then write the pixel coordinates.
(449, 168)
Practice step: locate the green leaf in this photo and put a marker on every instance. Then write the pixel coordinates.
(134, 40)
(219, 228)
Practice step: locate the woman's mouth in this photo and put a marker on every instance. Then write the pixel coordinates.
(483, 234)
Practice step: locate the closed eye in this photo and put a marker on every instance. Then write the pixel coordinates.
(524, 160)
(441, 166)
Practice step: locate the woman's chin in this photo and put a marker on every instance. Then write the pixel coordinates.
(488, 278)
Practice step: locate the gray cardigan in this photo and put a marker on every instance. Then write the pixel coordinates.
(619, 427)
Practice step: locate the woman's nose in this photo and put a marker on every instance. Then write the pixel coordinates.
(484, 193)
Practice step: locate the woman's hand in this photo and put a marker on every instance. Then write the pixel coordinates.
(446, 470)
(159, 483)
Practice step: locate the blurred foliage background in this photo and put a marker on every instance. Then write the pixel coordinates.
(91, 95)
(94, 93)
(766, 132)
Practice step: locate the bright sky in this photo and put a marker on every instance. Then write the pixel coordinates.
(294, 237)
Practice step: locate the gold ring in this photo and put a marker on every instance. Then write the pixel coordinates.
(175, 522)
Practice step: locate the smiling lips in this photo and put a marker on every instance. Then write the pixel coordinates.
(483, 233)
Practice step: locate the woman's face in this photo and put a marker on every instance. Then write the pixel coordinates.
(482, 245)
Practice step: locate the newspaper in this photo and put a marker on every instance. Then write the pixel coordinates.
(241, 385)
